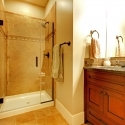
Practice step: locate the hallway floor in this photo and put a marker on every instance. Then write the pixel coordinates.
(45, 116)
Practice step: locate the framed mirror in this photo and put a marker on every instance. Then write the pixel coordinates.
(115, 28)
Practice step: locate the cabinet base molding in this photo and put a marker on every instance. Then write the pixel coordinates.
(76, 119)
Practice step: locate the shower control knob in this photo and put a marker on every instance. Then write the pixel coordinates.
(47, 54)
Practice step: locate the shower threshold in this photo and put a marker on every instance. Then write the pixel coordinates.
(24, 100)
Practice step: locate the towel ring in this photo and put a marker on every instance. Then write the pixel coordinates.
(91, 32)
(117, 37)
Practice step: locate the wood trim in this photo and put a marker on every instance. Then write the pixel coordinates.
(85, 96)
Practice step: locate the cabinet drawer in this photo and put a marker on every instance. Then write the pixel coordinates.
(97, 119)
(108, 80)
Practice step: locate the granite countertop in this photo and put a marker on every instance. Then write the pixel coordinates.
(115, 69)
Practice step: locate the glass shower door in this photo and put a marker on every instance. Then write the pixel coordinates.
(23, 61)
(47, 62)
(2, 56)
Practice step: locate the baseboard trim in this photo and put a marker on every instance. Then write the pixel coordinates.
(76, 119)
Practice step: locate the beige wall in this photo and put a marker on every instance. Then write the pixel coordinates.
(115, 26)
(49, 6)
(70, 93)
(84, 20)
(64, 34)
(24, 8)
(64, 23)
(1, 5)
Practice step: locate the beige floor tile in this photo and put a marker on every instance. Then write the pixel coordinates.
(8, 121)
(45, 116)
(39, 114)
(47, 111)
(54, 110)
(60, 119)
(31, 123)
(41, 121)
(49, 120)
(65, 124)
(23, 118)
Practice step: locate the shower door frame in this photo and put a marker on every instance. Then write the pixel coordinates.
(47, 38)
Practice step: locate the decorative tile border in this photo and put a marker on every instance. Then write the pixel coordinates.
(23, 38)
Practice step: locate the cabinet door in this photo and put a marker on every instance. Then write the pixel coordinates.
(91, 117)
(98, 119)
(95, 97)
(114, 106)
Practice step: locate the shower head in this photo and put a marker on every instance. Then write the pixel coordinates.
(44, 24)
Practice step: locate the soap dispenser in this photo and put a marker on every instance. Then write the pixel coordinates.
(106, 62)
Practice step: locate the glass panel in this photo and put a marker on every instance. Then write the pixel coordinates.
(47, 81)
(23, 62)
(2, 54)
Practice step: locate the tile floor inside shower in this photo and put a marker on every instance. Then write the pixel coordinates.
(44, 116)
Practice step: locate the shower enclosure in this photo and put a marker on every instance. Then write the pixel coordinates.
(28, 68)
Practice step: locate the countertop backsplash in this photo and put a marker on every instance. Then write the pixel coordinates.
(99, 62)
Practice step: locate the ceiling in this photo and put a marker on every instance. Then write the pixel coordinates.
(41, 3)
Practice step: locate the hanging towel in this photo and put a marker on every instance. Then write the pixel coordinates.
(120, 49)
(94, 49)
(57, 64)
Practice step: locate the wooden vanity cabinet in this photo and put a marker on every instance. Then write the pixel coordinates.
(104, 97)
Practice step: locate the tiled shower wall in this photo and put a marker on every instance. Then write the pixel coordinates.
(23, 46)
